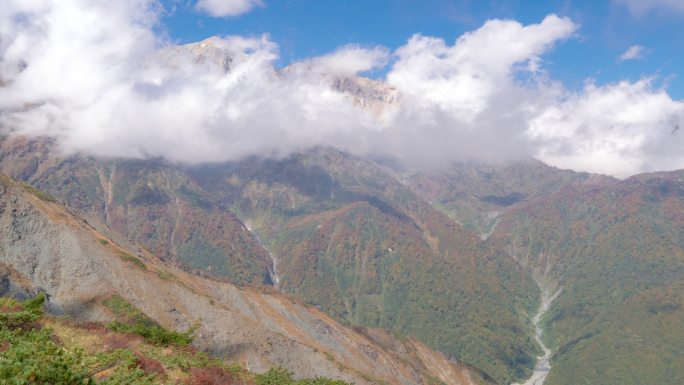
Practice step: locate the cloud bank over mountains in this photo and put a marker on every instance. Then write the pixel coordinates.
(101, 79)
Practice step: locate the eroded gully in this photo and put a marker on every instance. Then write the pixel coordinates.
(543, 366)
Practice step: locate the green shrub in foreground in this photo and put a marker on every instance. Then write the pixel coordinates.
(15, 314)
(154, 333)
(282, 376)
(30, 355)
(33, 358)
(132, 320)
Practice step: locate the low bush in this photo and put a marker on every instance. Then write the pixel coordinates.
(30, 354)
(118, 341)
(132, 320)
(131, 259)
(281, 376)
(149, 365)
(154, 333)
(211, 375)
(34, 358)
(38, 193)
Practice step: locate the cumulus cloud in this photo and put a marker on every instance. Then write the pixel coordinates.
(112, 88)
(618, 129)
(99, 80)
(462, 78)
(346, 61)
(57, 58)
(224, 8)
(634, 52)
(470, 99)
(641, 7)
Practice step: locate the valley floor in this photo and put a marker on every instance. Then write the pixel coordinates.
(543, 366)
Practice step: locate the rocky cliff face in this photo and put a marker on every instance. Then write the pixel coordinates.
(43, 247)
(211, 52)
(369, 94)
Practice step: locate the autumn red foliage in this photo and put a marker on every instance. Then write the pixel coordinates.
(211, 375)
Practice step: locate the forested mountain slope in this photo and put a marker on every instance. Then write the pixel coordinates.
(453, 258)
(343, 234)
(44, 248)
(616, 250)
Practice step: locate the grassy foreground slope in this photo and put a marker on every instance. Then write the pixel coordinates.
(44, 350)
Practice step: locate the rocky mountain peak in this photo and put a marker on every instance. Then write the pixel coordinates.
(209, 51)
(367, 93)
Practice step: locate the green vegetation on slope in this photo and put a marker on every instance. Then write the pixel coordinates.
(38, 193)
(151, 203)
(352, 240)
(618, 253)
(358, 270)
(43, 351)
(132, 320)
(633, 342)
(437, 283)
(29, 355)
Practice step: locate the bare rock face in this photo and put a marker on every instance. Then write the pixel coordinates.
(45, 248)
(369, 94)
(209, 51)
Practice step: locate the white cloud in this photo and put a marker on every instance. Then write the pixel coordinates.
(103, 86)
(224, 8)
(634, 52)
(107, 85)
(617, 129)
(61, 57)
(641, 7)
(346, 61)
(463, 78)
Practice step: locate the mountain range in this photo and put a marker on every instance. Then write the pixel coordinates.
(456, 259)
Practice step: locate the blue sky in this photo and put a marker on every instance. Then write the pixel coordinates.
(306, 28)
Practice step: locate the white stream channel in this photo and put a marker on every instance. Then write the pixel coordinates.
(543, 366)
(273, 270)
